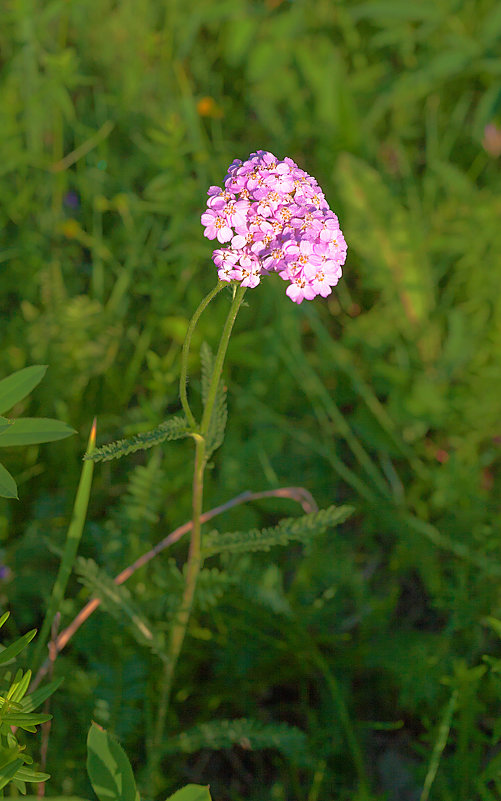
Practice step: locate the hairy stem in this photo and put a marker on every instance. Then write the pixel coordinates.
(194, 561)
(193, 565)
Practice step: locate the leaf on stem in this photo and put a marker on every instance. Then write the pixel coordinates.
(175, 428)
(207, 365)
(215, 434)
(116, 599)
(249, 734)
(300, 529)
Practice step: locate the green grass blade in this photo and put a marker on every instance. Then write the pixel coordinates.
(328, 414)
(439, 746)
(71, 547)
(344, 361)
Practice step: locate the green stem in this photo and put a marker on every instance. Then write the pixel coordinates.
(193, 565)
(194, 561)
(186, 351)
(219, 361)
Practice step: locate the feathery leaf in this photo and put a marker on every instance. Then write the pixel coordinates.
(116, 599)
(300, 529)
(174, 428)
(217, 426)
(207, 365)
(249, 734)
(219, 417)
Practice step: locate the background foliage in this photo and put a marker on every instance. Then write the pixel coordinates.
(113, 123)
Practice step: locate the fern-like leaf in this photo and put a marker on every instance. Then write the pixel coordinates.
(175, 428)
(116, 599)
(207, 365)
(217, 426)
(145, 493)
(219, 417)
(301, 529)
(211, 586)
(249, 734)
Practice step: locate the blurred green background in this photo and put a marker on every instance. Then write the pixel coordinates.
(115, 117)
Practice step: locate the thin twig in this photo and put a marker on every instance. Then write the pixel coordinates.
(84, 148)
(299, 494)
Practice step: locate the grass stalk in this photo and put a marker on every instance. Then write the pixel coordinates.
(73, 537)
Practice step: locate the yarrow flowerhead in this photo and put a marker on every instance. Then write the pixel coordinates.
(276, 219)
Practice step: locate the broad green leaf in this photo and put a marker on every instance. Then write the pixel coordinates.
(16, 386)
(4, 617)
(16, 647)
(109, 769)
(8, 487)
(33, 430)
(8, 772)
(192, 792)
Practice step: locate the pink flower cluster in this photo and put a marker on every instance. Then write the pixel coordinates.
(276, 219)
